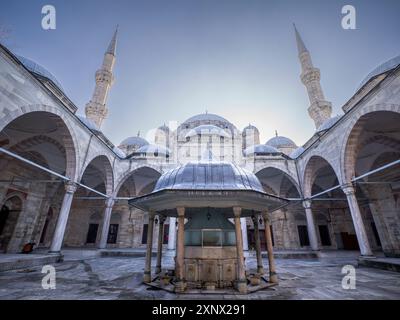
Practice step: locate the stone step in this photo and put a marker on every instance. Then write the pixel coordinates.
(391, 264)
(21, 261)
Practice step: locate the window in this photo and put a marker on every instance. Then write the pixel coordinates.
(376, 234)
(112, 234)
(92, 233)
(144, 234)
(303, 236)
(324, 235)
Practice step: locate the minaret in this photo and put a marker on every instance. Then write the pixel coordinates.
(96, 110)
(320, 109)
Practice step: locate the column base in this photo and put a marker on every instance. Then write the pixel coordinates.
(260, 270)
(55, 252)
(241, 286)
(147, 277)
(368, 256)
(180, 286)
(273, 277)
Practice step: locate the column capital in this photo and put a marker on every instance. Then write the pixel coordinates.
(152, 215)
(237, 211)
(255, 220)
(70, 187)
(181, 211)
(265, 215)
(307, 204)
(110, 202)
(161, 218)
(348, 189)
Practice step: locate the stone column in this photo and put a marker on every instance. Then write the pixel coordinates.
(273, 277)
(62, 220)
(180, 252)
(358, 222)
(241, 281)
(260, 268)
(311, 228)
(106, 223)
(161, 219)
(172, 233)
(149, 249)
(244, 234)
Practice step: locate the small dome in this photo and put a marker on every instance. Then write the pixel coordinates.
(327, 124)
(38, 69)
(207, 129)
(119, 152)
(250, 128)
(134, 141)
(281, 142)
(384, 67)
(296, 153)
(153, 150)
(89, 123)
(260, 149)
(209, 175)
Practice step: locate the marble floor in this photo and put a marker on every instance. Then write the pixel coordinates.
(86, 275)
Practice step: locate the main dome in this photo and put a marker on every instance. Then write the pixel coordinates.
(206, 117)
(208, 175)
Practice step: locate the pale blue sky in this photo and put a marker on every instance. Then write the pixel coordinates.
(178, 58)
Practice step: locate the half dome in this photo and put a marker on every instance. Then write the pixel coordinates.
(207, 129)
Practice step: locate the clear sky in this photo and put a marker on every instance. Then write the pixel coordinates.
(178, 58)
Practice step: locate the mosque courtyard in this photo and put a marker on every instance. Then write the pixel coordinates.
(85, 275)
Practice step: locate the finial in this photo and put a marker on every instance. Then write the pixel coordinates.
(138, 133)
(112, 47)
(276, 133)
(300, 44)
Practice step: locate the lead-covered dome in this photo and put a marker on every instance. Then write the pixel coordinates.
(327, 124)
(134, 142)
(281, 142)
(153, 150)
(206, 117)
(260, 149)
(39, 70)
(208, 175)
(384, 67)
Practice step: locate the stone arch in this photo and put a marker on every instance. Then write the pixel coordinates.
(285, 174)
(105, 162)
(69, 138)
(314, 164)
(14, 202)
(131, 172)
(352, 134)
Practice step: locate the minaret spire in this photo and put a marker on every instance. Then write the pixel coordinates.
(96, 110)
(320, 110)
